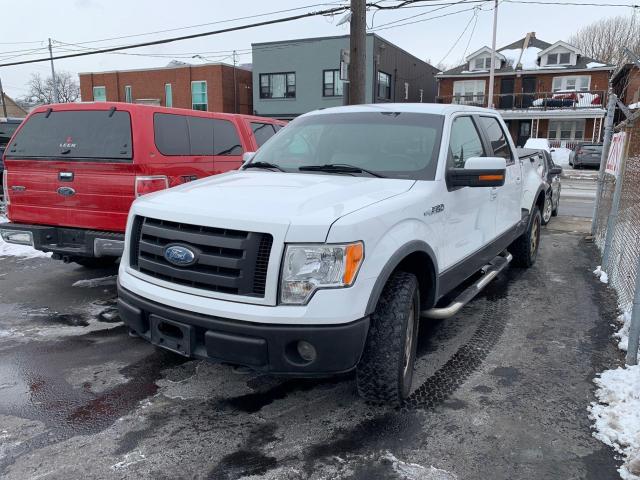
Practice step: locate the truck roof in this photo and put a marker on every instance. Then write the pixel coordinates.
(432, 108)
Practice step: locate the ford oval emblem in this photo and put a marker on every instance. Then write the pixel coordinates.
(66, 191)
(180, 255)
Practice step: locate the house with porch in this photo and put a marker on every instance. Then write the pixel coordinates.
(542, 90)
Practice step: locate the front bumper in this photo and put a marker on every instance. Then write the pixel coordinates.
(261, 346)
(71, 242)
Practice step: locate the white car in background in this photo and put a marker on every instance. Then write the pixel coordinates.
(560, 156)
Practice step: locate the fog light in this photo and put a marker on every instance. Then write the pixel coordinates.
(306, 351)
(15, 236)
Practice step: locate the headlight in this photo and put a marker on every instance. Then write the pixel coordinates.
(308, 268)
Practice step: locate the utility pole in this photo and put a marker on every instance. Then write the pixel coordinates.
(235, 85)
(357, 55)
(4, 104)
(56, 99)
(492, 69)
(606, 144)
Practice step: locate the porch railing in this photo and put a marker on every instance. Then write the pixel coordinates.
(533, 101)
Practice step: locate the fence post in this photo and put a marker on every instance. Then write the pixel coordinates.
(615, 205)
(608, 135)
(634, 329)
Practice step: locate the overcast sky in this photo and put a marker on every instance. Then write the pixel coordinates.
(76, 21)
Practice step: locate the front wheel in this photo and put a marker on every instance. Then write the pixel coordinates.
(547, 210)
(525, 248)
(385, 371)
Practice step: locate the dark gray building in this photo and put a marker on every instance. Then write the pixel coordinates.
(292, 77)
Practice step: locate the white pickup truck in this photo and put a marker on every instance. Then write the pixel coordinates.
(324, 251)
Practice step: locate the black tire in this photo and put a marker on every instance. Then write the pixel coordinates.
(554, 212)
(385, 371)
(525, 248)
(99, 262)
(547, 210)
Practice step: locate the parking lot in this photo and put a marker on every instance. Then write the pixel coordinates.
(502, 388)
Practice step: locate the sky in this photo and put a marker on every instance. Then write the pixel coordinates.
(434, 40)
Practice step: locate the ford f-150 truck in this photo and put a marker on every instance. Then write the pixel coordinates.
(324, 251)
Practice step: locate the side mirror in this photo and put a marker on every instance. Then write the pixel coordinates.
(247, 157)
(552, 150)
(478, 172)
(555, 171)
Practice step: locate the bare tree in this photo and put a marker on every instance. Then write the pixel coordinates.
(41, 90)
(605, 39)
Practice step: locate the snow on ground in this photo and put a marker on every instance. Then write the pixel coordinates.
(601, 274)
(560, 156)
(633, 106)
(12, 250)
(96, 282)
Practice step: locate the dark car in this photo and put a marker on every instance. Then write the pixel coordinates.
(587, 155)
(551, 175)
(7, 127)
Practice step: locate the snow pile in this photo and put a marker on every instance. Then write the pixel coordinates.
(623, 334)
(617, 416)
(12, 250)
(595, 65)
(561, 156)
(601, 274)
(529, 59)
(96, 282)
(633, 106)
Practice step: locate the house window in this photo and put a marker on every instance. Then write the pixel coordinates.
(566, 129)
(559, 58)
(199, 95)
(127, 94)
(469, 92)
(482, 63)
(331, 83)
(99, 94)
(571, 83)
(384, 85)
(168, 95)
(278, 85)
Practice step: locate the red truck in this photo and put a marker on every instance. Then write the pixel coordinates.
(73, 170)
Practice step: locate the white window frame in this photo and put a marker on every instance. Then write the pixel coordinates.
(486, 63)
(206, 95)
(128, 94)
(573, 126)
(563, 84)
(104, 89)
(168, 95)
(469, 92)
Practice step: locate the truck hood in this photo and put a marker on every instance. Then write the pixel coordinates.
(305, 204)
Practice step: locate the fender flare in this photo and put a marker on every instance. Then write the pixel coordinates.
(541, 189)
(393, 262)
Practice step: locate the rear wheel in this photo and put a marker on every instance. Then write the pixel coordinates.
(385, 371)
(99, 262)
(525, 248)
(554, 212)
(547, 210)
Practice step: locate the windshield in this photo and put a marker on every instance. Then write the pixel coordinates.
(396, 145)
(96, 135)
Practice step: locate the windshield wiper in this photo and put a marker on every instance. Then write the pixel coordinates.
(339, 168)
(263, 165)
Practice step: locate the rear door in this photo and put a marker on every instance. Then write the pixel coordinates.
(228, 145)
(72, 168)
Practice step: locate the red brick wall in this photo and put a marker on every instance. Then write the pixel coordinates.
(632, 93)
(149, 84)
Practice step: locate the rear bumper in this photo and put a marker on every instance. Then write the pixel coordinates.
(71, 242)
(265, 347)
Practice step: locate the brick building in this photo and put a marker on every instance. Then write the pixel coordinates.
(626, 83)
(542, 90)
(214, 87)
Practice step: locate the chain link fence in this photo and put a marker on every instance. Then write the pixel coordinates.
(624, 248)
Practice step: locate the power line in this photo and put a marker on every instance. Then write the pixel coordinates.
(185, 37)
(537, 2)
(474, 16)
(420, 21)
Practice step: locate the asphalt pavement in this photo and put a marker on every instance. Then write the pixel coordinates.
(501, 389)
(578, 192)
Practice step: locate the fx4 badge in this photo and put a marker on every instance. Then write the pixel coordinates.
(435, 209)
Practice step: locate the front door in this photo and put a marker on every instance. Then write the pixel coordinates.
(524, 132)
(505, 100)
(470, 211)
(528, 91)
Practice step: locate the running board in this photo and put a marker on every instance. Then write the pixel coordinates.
(490, 271)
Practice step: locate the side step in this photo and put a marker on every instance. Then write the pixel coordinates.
(490, 271)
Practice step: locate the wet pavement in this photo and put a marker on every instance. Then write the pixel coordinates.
(501, 390)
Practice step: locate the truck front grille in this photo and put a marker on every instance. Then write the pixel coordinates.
(227, 261)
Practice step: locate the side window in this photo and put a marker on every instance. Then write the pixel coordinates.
(262, 132)
(225, 138)
(201, 135)
(464, 143)
(171, 134)
(497, 138)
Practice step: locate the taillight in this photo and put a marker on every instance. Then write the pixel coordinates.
(5, 186)
(146, 185)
